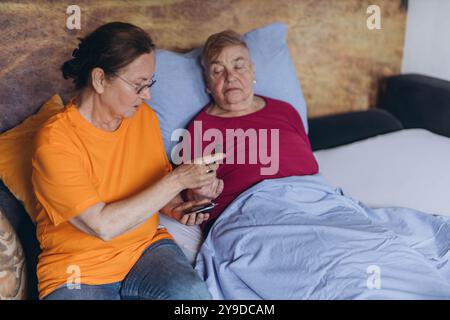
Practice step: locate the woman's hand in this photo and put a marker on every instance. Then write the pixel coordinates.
(211, 191)
(200, 173)
(177, 212)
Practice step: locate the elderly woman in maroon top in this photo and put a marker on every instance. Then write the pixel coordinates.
(263, 138)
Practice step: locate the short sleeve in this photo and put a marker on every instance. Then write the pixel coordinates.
(61, 183)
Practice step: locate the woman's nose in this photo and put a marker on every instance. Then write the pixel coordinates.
(145, 94)
(230, 75)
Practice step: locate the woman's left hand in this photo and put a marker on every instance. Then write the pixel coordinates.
(210, 191)
(177, 212)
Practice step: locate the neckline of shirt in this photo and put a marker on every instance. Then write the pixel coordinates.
(238, 117)
(83, 123)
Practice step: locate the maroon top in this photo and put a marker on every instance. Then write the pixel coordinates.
(262, 154)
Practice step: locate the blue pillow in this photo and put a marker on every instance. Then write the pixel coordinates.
(180, 93)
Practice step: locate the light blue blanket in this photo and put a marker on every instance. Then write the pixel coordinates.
(296, 238)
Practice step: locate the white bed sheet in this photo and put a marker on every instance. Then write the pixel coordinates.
(407, 168)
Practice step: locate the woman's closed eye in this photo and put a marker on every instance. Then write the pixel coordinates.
(217, 71)
(240, 65)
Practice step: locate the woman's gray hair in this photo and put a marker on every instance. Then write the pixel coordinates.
(216, 42)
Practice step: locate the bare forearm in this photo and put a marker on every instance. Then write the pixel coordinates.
(110, 220)
(121, 216)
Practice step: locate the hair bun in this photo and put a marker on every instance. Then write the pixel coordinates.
(74, 67)
(71, 69)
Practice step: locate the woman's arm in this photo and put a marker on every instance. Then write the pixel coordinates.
(107, 221)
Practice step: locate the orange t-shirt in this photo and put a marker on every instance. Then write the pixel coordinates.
(76, 165)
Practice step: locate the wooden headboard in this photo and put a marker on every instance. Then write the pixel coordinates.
(338, 59)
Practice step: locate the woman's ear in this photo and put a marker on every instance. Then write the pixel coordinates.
(98, 80)
(207, 89)
(206, 79)
(252, 68)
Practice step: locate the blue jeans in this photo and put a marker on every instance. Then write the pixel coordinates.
(162, 272)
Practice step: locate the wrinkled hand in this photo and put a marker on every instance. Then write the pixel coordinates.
(200, 173)
(210, 191)
(177, 212)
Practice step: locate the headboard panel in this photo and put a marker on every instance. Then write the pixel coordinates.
(338, 59)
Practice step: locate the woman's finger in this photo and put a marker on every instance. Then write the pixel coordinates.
(194, 219)
(199, 218)
(209, 159)
(213, 166)
(204, 218)
(184, 219)
(191, 219)
(213, 157)
(209, 168)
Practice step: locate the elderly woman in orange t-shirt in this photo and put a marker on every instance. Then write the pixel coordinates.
(101, 176)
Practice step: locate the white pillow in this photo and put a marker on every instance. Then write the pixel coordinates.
(407, 168)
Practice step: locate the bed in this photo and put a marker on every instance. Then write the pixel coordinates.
(382, 188)
(358, 158)
(373, 225)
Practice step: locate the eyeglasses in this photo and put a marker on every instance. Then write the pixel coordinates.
(137, 89)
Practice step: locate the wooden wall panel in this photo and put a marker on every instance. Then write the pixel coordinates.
(338, 60)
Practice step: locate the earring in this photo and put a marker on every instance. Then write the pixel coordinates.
(254, 81)
(207, 91)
